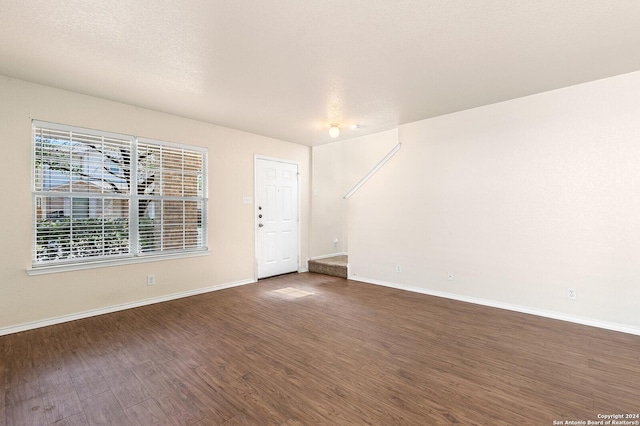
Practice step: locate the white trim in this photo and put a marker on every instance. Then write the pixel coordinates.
(373, 171)
(326, 256)
(110, 309)
(623, 328)
(52, 269)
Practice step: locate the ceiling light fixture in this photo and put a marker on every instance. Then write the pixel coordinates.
(334, 130)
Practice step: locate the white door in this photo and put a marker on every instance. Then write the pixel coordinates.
(276, 217)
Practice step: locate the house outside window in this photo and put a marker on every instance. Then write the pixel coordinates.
(102, 196)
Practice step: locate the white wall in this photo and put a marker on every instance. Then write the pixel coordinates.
(519, 200)
(25, 299)
(328, 212)
(336, 168)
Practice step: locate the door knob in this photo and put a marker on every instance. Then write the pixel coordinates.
(260, 225)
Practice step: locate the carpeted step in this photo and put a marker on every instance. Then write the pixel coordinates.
(335, 266)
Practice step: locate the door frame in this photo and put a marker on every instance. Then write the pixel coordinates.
(256, 247)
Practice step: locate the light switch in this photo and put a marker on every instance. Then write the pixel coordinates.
(247, 199)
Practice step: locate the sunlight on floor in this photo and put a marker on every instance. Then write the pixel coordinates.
(292, 293)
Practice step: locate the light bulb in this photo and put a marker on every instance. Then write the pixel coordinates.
(334, 131)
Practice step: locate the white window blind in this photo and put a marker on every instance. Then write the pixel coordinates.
(103, 196)
(171, 197)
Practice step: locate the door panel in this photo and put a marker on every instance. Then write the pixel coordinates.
(277, 235)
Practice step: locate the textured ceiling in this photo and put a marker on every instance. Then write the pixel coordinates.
(288, 68)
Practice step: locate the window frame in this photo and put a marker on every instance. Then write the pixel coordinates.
(135, 252)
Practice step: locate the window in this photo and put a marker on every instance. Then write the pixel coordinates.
(103, 196)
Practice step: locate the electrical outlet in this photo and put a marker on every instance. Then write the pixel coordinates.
(450, 276)
(398, 268)
(571, 293)
(151, 280)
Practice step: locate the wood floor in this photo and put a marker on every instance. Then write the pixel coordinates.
(308, 349)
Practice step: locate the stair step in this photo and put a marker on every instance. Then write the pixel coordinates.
(335, 266)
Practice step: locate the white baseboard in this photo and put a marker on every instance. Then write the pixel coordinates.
(516, 308)
(109, 309)
(623, 328)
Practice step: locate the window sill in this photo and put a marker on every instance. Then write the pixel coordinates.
(42, 270)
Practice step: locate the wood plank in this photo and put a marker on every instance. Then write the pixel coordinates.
(124, 385)
(89, 383)
(172, 394)
(147, 413)
(24, 404)
(79, 419)
(104, 409)
(59, 397)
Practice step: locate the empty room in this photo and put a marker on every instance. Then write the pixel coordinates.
(297, 212)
